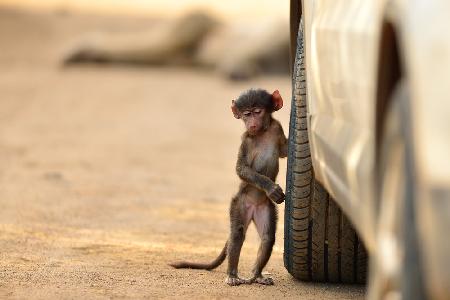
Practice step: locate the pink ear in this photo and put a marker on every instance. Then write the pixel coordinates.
(277, 100)
(235, 111)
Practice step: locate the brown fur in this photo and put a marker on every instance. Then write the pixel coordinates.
(257, 166)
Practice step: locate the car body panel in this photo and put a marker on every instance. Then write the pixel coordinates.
(341, 70)
(341, 46)
(426, 29)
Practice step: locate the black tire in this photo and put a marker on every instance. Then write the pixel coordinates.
(320, 243)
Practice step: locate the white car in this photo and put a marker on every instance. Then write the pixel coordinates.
(369, 146)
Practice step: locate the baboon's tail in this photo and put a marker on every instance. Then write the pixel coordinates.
(212, 265)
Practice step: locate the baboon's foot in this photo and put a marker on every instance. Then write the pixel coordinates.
(234, 281)
(261, 280)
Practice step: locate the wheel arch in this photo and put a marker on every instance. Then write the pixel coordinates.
(389, 73)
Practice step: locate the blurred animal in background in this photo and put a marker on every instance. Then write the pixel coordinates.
(238, 50)
(263, 143)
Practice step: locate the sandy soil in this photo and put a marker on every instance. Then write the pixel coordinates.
(106, 174)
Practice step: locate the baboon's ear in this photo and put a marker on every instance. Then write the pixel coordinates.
(277, 100)
(235, 110)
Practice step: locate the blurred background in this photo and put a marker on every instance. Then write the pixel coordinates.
(233, 9)
(118, 146)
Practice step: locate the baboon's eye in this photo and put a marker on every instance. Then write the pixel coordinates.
(246, 113)
(257, 111)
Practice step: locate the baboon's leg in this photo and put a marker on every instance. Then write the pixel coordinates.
(238, 228)
(265, 218)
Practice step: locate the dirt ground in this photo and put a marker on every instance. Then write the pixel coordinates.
(108, 173)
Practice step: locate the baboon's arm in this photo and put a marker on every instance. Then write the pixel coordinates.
(247, 174)
(283, 142)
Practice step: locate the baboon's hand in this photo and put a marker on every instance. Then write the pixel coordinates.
(276, 194)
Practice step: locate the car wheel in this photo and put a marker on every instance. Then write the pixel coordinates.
(395, 271)
(320, 242)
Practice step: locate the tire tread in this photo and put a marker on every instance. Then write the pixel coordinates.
(320, 242)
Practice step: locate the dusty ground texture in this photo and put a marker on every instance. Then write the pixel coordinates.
(107, 174)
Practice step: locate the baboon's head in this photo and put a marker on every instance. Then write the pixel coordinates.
(255, 107)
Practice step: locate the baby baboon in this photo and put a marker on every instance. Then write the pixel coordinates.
(257, 166)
